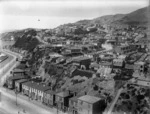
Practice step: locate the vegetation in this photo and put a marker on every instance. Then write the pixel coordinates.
(134, 99)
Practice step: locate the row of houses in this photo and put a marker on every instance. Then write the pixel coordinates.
(65, 101)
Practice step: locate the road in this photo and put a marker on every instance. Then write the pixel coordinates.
(8, 99)
(114, 101)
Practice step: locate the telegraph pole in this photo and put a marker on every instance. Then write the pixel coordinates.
(148, 26)
(16, 95)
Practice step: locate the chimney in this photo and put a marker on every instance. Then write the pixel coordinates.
(75, 93)
(69, 92)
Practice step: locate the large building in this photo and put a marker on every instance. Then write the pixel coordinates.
(125, 49)
(90, 105)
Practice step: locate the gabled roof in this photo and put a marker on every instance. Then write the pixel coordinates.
(86, 73)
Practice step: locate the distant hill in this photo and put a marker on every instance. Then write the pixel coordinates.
(108, 19)
(139, 16)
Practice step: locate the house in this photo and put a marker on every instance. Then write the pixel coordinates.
(11, 81)
(139, 66)
(34, 90)
(86, 73)
(118, 63)
(82, 62)
(37, 91)
(129, 66)
(106, 64)
(26, 88)
(18, 71)
(49, 98)
(62, 100)
(105, 68)
(94, 66)
(71, 50)
(90, 105)
(18, 84)
(125, 49)
(73, 105)
(145, 83)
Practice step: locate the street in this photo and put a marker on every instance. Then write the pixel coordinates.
(114, 101)
(8, 100)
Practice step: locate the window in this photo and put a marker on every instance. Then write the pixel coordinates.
(89, 105)
(57, 98)
(60, 99)
(71, 102)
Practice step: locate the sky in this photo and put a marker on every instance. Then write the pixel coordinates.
(20, 14)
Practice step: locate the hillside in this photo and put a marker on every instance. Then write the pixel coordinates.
(137, 17)
(27, 41)
(108, 19)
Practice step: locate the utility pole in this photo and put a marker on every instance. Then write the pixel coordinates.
(16, 95)
(57, 108)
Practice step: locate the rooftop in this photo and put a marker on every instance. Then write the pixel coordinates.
(122, 56)
(16, 70)
(106, 63)
(86, 73)
(117, 60)
(16, 77)
(37, 85)
(63, 94)
(89, 99)
(94, 64)
(81, 58)
(75, 98)
(50, 92)
(22, 80)
(140, 63)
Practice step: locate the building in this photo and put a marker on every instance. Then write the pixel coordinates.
(106, 64)
(49, 98)
(82, 62)
(37, 91)
(94, 66)
(129, 66)
(73, 108)
(26, 88)
(139, 66)
(11, 81)
(71, 50)
(145, 83)
(62, 100)
(125, 49)
(86, 73)
(18, 84)
(118, 63)
(34, 90)
(90, 105)
(17, 71)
